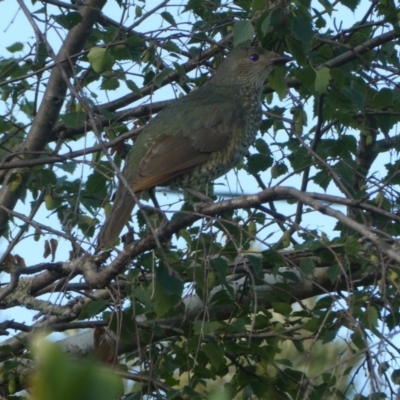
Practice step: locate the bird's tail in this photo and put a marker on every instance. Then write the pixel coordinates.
(118, 217)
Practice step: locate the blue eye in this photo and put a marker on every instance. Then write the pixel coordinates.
(254, 57)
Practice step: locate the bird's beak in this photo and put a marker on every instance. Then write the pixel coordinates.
(281, 60)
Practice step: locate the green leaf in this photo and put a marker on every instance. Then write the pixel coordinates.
(359, 340)
(299, 159)
(100, 59)
(138, 11)
(352, 4)
(344, 144)
(134, 41)
(395, 377)
(311, 325)
(179, 68)
(322, 79)
(283, 361)
(297, 50)
(46, 176)
(320, 22)
(329, 336)
(68, 166)
(282, 308)
(135, 88)
(323, 303)
(307, 266)
(169, 18)
(259, 162)
(96, 184)
(322, 178)
(215, 354)
(120, 52)
(243, 33)
(104, 168)
(262, 147)
(290, 276)
(219, 265)
(110, 83)
(42, 54)
(353, 246)
(338, 76)
(206, 327)
(345, 171)
(298, 345)
(171, 284)
(372, 315)
(307, 77)
(56, 371)
(278, 170)
(302, 29)
(165, 304)
(258, 5)
(256, 263)
(92, 308)
(6, 349)
(27, 107)
(357, 98)
(327, 6)
(383, 368)
(87, 225)
(160, 77)
(239, 325)
(68, 20)
(202, 372)
(17, 46)
(266, 23)
(276, 80)
(384, 98)
(143, 295)
(73, 119)
(333, 273)
(172, 47)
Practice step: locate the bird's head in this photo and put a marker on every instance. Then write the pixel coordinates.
(248, 66)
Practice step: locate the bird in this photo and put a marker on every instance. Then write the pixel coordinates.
(199, 137)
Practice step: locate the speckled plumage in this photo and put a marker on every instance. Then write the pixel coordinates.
(199, 137)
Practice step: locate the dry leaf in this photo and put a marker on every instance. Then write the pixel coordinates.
(47, 250)
(20, 261)
(53, 245)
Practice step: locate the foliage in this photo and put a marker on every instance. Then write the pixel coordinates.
(254, 296)
(56, 373)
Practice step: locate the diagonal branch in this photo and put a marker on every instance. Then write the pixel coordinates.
(361, 49)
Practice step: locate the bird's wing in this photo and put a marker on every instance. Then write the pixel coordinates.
(213, 131)
(178, 154)
(171, 157)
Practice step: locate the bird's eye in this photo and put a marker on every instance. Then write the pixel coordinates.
(254, 57)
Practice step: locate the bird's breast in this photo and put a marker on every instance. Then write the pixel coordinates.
(220, 162)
